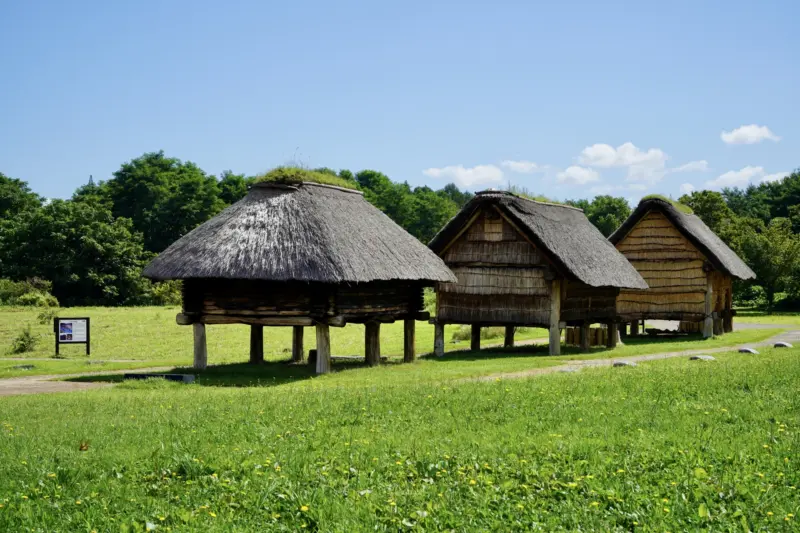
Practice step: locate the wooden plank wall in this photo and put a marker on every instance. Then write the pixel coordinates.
(671, 266)
(501, 277)
(296, 299)
(584, 302)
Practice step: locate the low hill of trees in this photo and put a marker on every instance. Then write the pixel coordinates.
(93, 246)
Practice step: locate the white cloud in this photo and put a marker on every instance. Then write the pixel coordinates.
(468, 178)
(687, 188)
(775, 177)
(576, 175)
(649, 166)
(521, 167)
(736, 178)
(692, 166)
(750, 134)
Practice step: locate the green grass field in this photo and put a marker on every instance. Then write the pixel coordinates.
(668, 446)
(128, 338)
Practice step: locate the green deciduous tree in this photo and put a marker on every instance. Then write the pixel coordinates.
(607, 213)
(773, 254)
(90, 257)
(233, 187)
(164, 197)
(16, 197)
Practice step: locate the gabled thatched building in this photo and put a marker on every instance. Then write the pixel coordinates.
(689, 269)
(521, 262)
(300, 254)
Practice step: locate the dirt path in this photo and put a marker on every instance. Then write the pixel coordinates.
(43, 384)
(790, 336)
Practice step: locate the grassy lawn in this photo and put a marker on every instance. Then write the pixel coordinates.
(150, 334)
(668, 446)
(752, 316)
(127, 338)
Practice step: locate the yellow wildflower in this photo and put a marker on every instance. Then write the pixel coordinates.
(304, 508)
(472, 482)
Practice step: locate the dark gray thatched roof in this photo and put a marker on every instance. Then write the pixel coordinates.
(694, 229)
(309, 232)
(563, 233)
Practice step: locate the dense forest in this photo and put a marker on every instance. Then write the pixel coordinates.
(91, 248)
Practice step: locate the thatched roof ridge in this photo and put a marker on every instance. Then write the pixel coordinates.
(562, 233)
(303, 232)
(695, 230)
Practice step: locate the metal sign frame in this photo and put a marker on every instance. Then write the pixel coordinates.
(88, 340)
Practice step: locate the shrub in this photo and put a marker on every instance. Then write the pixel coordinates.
(37, 299)
(47, 316)
(24, 342)
(31, 292)
(166, 293)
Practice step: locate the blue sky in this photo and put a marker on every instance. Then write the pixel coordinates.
(566, 99)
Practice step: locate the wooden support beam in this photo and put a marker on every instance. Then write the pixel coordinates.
(200, 349)
(585, 337)
(409, 346)
(475, 339)
(708, 323)
(256, 344)
(184, 319)
(438, 340)
(323, 349)
(623, 330)
(613, 335)
(727, 320)
(372, 343)
(555, 317)
(297, 344)
(508, 342)
(635, 328)
(336, 321)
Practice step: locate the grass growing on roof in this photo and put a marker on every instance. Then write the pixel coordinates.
(668, 446)
(293, 175)
(677, 205)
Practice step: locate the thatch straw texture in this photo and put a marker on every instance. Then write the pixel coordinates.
(308, 232)
(689, 226)
(563, 234)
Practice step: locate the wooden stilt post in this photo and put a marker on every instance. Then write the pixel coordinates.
(585, 337)
(708, 323)
(323, 349)
(297, 344)
(256, 344)
(475, 341)
(555, 317)
(623, 330)
(635, 328)
(409, 340)
(372, 343)
(508, 342)
(727, 321)
(200, 349)
(438, 340)
(613, 335)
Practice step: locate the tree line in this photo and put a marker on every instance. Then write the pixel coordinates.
(91, 248)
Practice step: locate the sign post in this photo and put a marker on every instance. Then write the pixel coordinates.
(72, 331)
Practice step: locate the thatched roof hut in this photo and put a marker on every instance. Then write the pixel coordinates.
(301, 253)
(687, 266)
(521, 262)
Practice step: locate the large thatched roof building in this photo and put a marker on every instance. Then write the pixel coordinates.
(521, 262)
(687, 266)
(300, 254)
